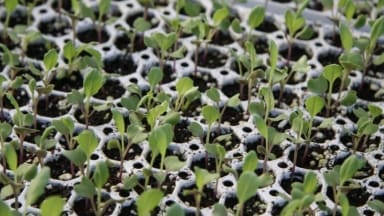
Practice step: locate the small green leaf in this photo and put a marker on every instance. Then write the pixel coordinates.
(52, 206)
(262, 127)
(332, 72)
(141, 25)
(148, 200)
(250, 162)
(36, 188)
(87, 142)
(119, 120)
(155, 75)
(93, 82)
(318, 85)
(10, 5)
(135, 133)
(346, 37)
(172, 163)
(11, 157)
(314, 105)
(64, 125)
(256, 17)
(183, 85)
(273, 54)
(6, 210)
(349, 99)
(196, 129)
(203, 177)
(104, 7)
(236, 26)
(5, 130)
(175, 210)
(50, 59)
(69, 50)
(210, 113)
(349, 168)
(101, 174)
(85, 188)
(130, 182)
(234, 101)
(376, 31)
(377, 205)
(219, 210)
(213, 94)
(160, 138)
(351, 60)
(76, 156)
(247, 186)
(220, 15)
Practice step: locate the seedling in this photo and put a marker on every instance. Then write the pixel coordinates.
(134, 133)
(214, 95)
(5, 131)
(295, 23)
(247, 186)
(52, 206)
(255, 18)
(211, 114)
(10, 6)
(66, 127)
(302, 196)
(186, 94)
(90, 187)
(93, 81)
(36, 188)
(202, 177)
(219, 152)
(159, 140)
(22, 122)
(44, 144)
(140, 25)
(365, 125)
(146, 4)
(338, 176)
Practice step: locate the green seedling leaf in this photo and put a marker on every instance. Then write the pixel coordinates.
(376, 31)
(210, 113)
(141, 25)
(346, 37)
(213, 94)
(219, 210)
(172, 118)
(273, 54)
(314, 104)
(36, 188)
(268, 97)
(250, 162)
(351, 60)
(377, 205)
(155, 75)
(93, 82)
(318, 85)
(27, 171)
(11, 157)
(374, 110)
(75, 97)
(247, 186)
(119, 120)
(52, 206)
(203, 177)
(64, 125)
(183, 85)
(349, 99)
(164, 41)
(5, 210)
(104, 7)
(101, 174)
(262, 127)
(310, 183)
(5, 130)
(50, 59)
(220, 15)
(85, 188)
(10, 5)
(175, 210)
(87, 142)
(346, 208)
(135, 133)
(130, 102)
(378, 60)
(234, 101)
(154, 113)
(256, 17)
(301, 66)
(349, 168)
(192, 8)
(76, 156)
(69, 50)
(160, 138)
(148, 200)
(172, 163)
(332, 72)
(217, 150)
(236, 27)
(361, 20)
(130, 182)
(196, 129)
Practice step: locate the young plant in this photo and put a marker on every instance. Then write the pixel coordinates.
(148, 200)
(66, 127)
(22, 123)
(44, 144)
(36, 187)
(337, 177)
(295, 23)
(365, 125)
(52, 206)
(5, 131)
(219, 152)
(202, 177)
(186, 94)
(134, 133)
(89, 187)
(140, 25)
(211, 114)
(254, 20)
(10, 6)
(146, 4)
(303, 194)
(247, 186)
(93, 81)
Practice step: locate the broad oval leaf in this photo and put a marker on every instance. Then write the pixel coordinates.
(119, 120)
(50, 59)
(349, 168)
(52, 206)
(148, 200)
(87, 142)
(93, 82)
(101, 174)
(314, 105)
(332, 72)
(85, 188)
(256, 17)
(36, 188)
(210, 113)
(247, 186)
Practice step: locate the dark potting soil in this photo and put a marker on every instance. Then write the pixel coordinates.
(114, 154)
(288, 179)
(171, 151)
(37, 49)
(113, 11)
(66, 5)
(222, 38)
(23, 70)
(82, 206)
(54, 190)
(60, 165)
(201, 162)
(208, 197)
(41, 125)
(356, 197)
(260, 43)
(111, 88)
(268, 25)
(21, 97)
(18, 17)
(169, 74)
(123, 42)
(231, 142)
(330, 56)
(231, 89)
(233, 115)
(203, 81)
(315, 5)
(211, 58)
(362, 173)
(168, 186)
(122, 64)
(297, 51)
(50, 106)
(129, 208)
(253, 141)
(278, 207)
(193, 109)
(346, 139)
(333, 38)
(288, 97)
(55, 26)
(312, 160)
(97, 117)
(251, 207)
(68, 83)
(367, 91)
(181, 132)
(88, 33)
